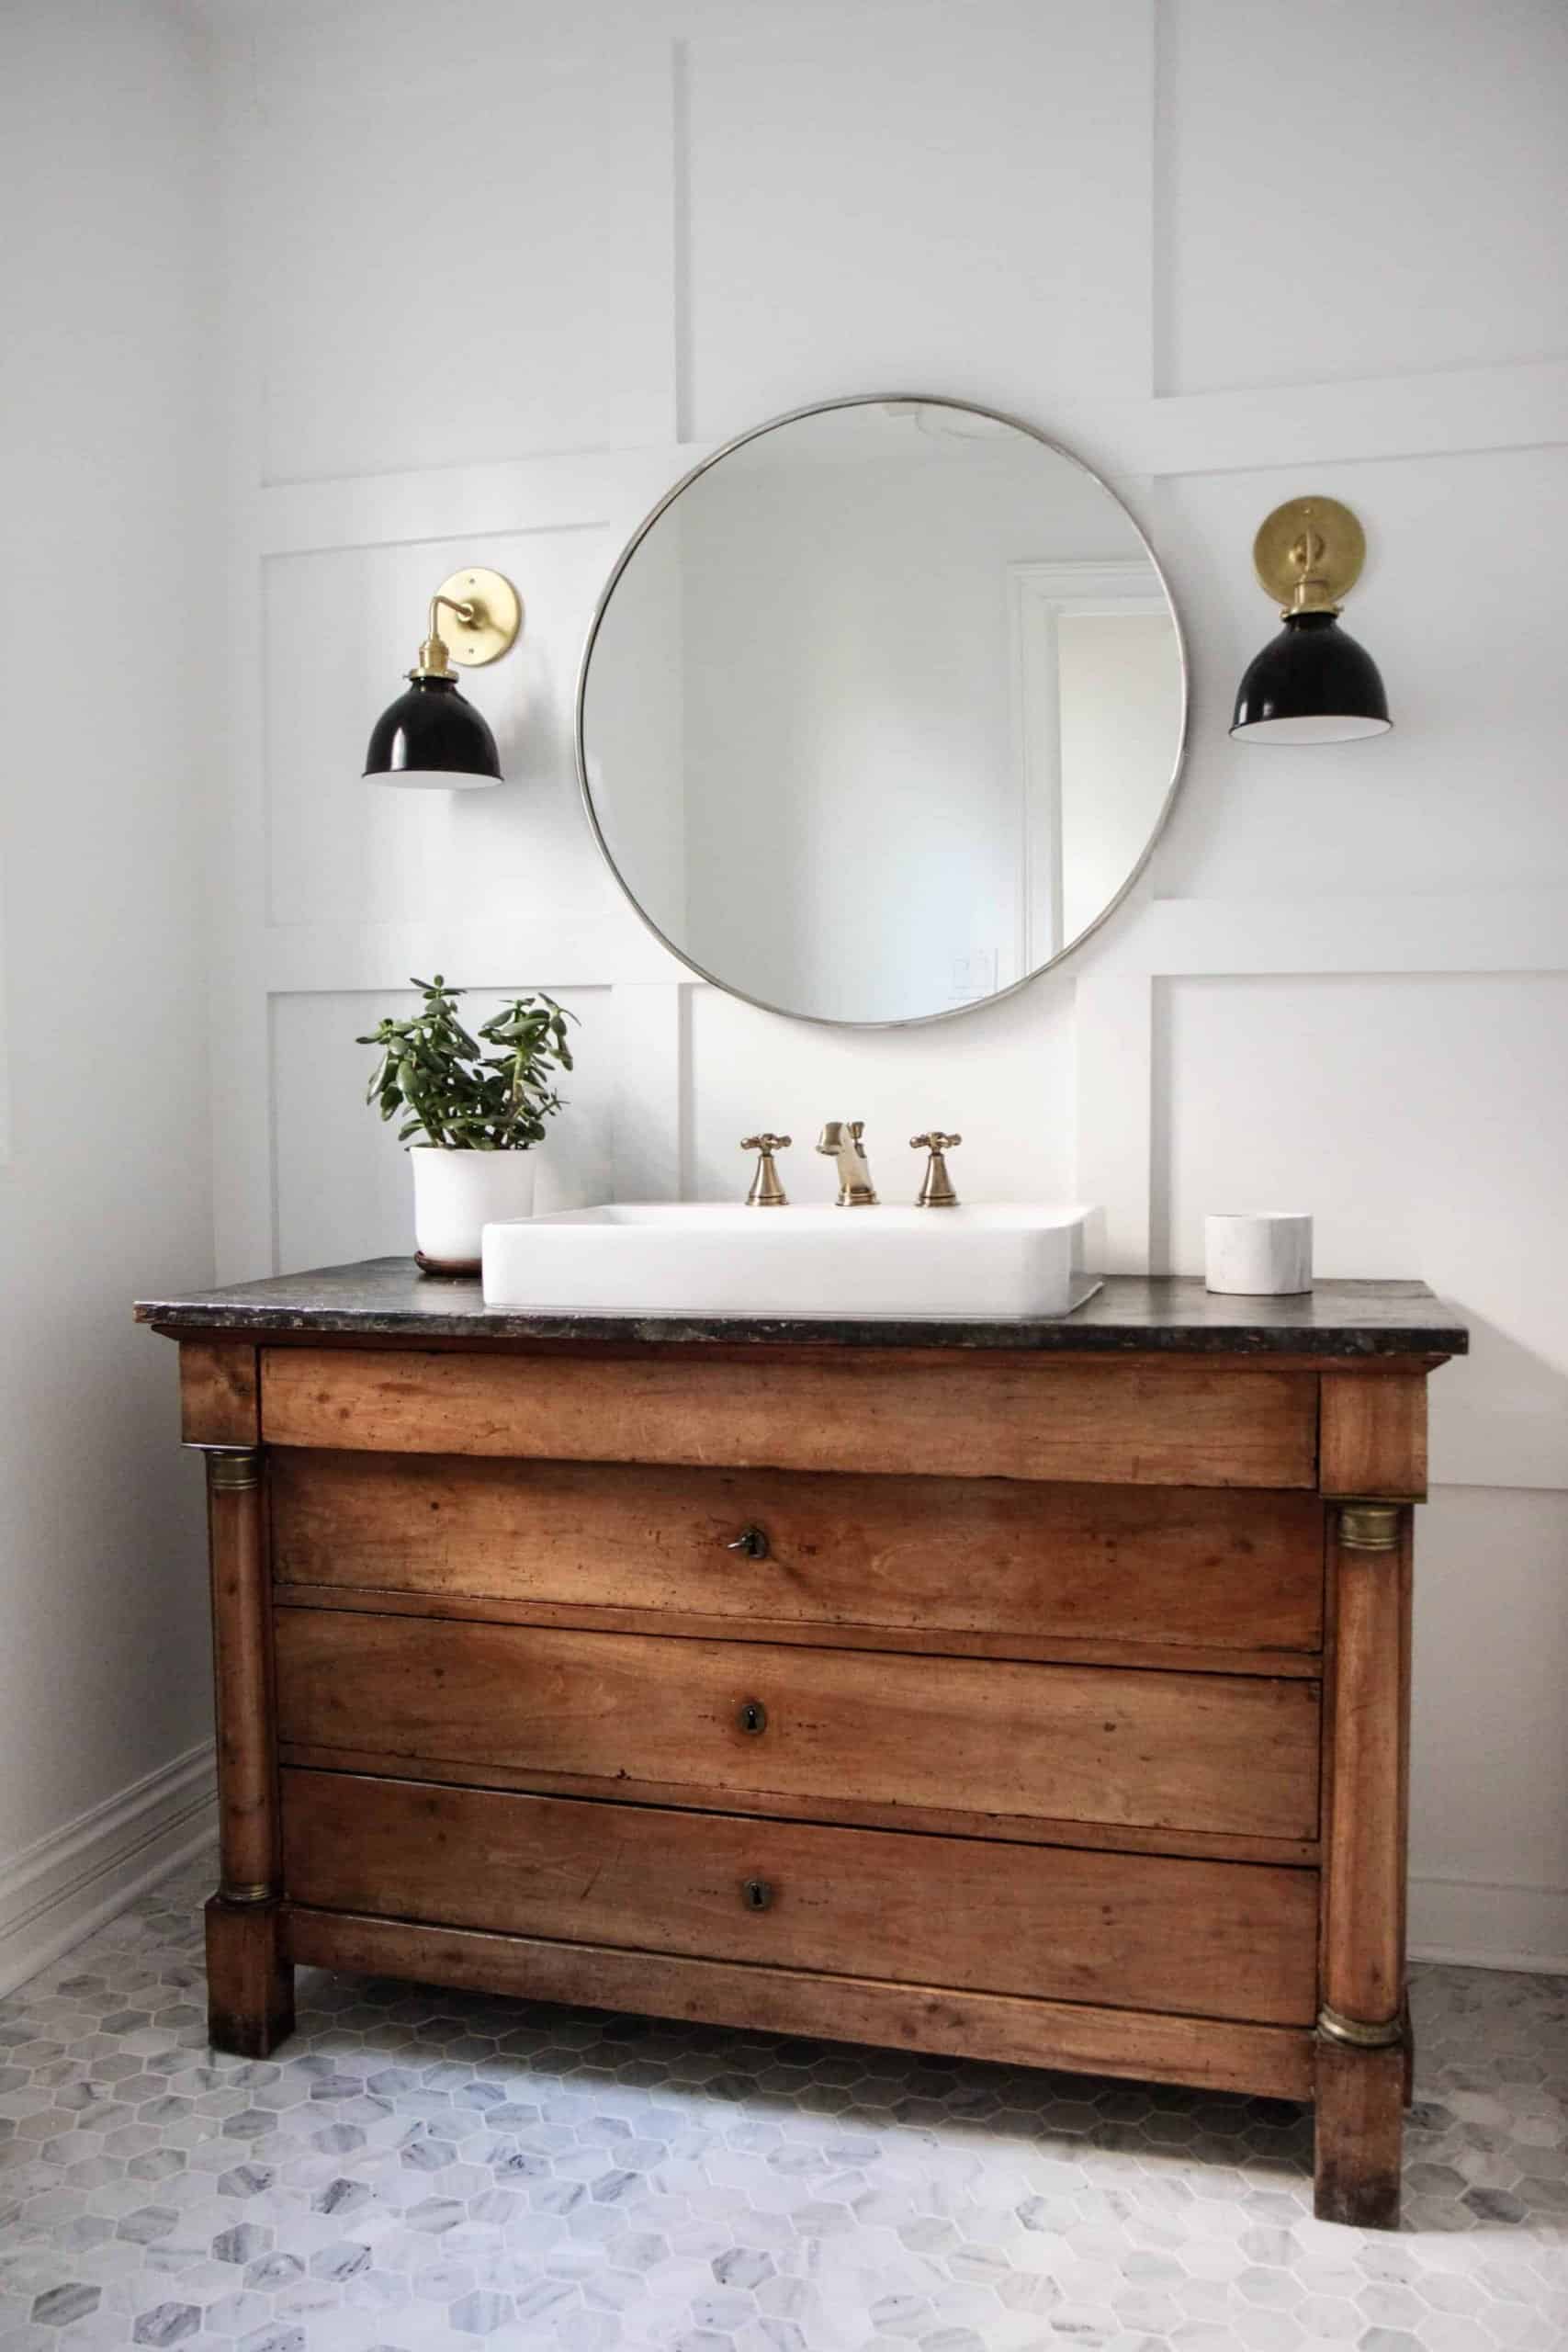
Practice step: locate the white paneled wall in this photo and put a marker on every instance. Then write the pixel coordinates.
(950, 200)
(1383, 189)
(105, 367)
(488, 306)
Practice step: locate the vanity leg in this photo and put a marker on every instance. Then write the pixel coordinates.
(1360, 2130)
(250, 1987)
(1362, 2038)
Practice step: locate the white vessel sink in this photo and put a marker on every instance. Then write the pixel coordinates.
(696, 1258)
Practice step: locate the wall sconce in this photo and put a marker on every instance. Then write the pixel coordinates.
(431, 736)
(1312, 684)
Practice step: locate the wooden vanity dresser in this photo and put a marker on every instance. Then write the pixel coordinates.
(1037, 1692)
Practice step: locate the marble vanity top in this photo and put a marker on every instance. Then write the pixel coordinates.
(383, 1298)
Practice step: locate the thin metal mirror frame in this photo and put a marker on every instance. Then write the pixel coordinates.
(796, 416)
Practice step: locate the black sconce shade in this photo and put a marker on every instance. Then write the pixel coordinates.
(1310, 684)
(431, 735)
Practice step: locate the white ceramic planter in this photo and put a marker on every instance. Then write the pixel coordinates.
(1264, 1254)
(457, 1194)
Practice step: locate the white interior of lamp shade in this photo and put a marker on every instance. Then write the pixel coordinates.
(1324, 727)
(431, 779)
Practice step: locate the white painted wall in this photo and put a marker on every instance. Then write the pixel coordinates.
(1119, 696)
(1341, 979)
(104, 393)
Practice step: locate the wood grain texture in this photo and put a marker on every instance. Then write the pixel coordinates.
(220, 1393)
(1238, 1756)
(938, 1415)
(848, 1812)
(1363, 1942)
(1360, 2130)
(243, 1676)
(250, 1985)
(1204, 1939)
(1304, 1665)
(1182, 1567)
(1373, 1436)
(1268, 2061)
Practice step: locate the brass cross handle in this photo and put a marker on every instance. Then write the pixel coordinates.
(936, 1192)
(766, 1192)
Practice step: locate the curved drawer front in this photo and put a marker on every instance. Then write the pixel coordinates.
(1207, 1939)
(720, 1723)
(1176, 1566)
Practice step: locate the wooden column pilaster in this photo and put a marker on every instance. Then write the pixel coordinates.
(1362, 2039)
(1372, 1467)
(250, 1988)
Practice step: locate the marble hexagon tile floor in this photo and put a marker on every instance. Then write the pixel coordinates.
(419, 2170)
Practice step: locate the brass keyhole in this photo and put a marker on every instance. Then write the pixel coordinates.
(756, 1894)
(752, 1542)
(752, 1716)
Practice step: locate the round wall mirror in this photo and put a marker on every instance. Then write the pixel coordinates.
(882, 710)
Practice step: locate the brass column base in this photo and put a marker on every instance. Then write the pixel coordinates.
(1354, 2035)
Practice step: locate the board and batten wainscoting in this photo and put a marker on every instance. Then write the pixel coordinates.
(1343, 981)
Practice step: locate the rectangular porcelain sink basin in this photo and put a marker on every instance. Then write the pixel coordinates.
(994, 1260)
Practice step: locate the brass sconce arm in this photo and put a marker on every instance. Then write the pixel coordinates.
(487, 619)
(433, 657)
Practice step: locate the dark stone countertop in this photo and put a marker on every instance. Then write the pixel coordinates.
(390, 1298)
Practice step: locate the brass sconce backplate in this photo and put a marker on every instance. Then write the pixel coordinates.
(496, 612)
(1308, 554)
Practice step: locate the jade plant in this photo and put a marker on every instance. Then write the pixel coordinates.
(452, 1092)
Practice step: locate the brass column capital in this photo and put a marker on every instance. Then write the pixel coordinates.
(1369, 1526)
(232, 1470)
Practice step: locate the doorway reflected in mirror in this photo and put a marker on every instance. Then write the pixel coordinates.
(882, 710)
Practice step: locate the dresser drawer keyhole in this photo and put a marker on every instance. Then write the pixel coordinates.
(752, 1543)
(756, 1894)
(752, 1716)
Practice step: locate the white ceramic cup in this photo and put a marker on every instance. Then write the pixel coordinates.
(1264, 1253)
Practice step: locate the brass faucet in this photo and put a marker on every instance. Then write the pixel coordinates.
(840, 1140)
(937, 1192)
(766, 1192)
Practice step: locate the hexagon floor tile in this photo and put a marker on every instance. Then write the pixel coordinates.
(421, 2169)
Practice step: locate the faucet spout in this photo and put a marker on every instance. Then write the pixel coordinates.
(841, 1141)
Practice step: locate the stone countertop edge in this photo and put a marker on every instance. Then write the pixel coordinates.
(385, 1298)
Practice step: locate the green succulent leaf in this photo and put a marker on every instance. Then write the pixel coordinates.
(458, 1097)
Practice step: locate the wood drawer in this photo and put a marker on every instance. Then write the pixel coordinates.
(936, 1412)
(1222, 1940)
(1229, 1755)
(1167, 1567)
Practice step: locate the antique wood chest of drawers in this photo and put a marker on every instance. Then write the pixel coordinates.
(1036, 1692)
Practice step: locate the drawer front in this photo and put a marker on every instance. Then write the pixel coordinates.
(1190, 1567)
(1232, 1754)
(1207, 1939)
(936, 1412)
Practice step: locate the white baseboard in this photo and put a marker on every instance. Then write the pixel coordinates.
(57, 1890)
(1480, 1923)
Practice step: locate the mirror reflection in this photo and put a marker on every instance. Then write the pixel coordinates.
(882, 712)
